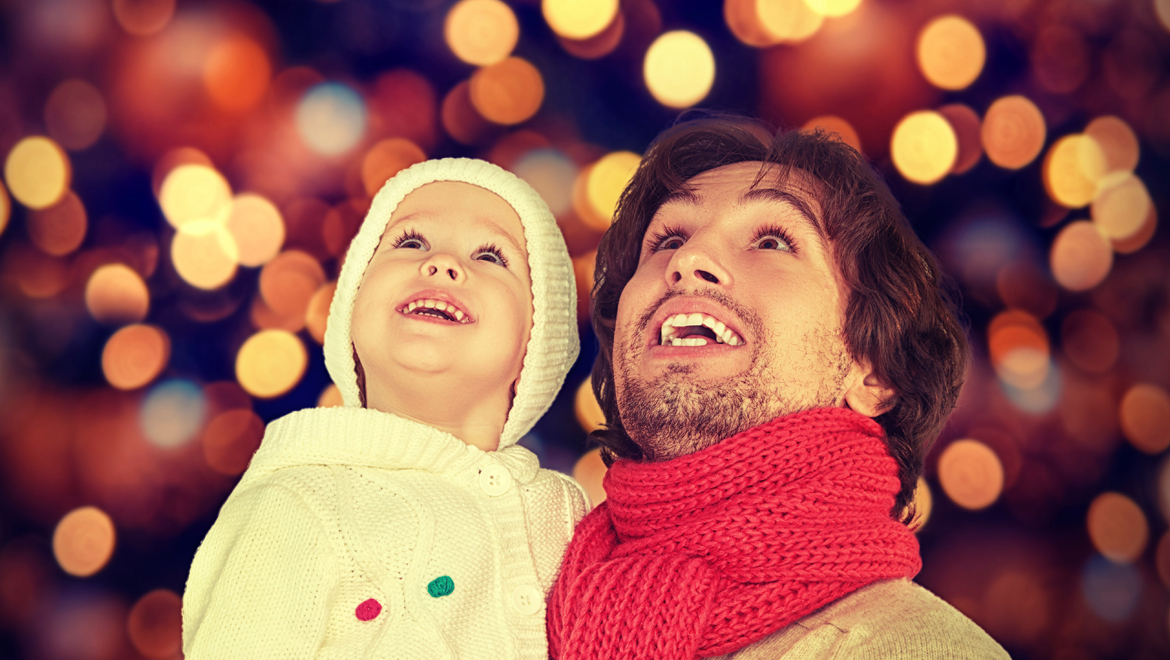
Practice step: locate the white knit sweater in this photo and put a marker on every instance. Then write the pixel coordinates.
(455, 546)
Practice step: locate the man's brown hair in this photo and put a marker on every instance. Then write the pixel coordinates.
(900, 316)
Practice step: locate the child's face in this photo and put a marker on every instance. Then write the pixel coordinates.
(452, 245)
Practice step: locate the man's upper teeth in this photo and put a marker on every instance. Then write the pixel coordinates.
(723, 334)
(439, 305)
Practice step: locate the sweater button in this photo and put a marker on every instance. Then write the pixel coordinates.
(495, 480)
(526, 599)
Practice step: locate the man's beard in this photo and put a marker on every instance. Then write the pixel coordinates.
(678, 414)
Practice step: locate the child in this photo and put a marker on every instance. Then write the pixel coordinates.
(409, 523)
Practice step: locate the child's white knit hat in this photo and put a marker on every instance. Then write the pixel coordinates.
(553, 344)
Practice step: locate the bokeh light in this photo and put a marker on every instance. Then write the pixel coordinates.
(230, 439)
(460, 118)
(135, 355)
(1073, 167)
(387, 158)
(837, 126)
(1081, 256)
(1111, 590)
(59, 229)
(589, 413)
(193, 192)
(205, 254)
(5, 208)
(38, 172)
(589, 471)
(155, 624)
(1018, 348)
(481, 32)
(1013, 132)
(604, 182)
(1117, 140)
(75, 114)
(172, 413)
(257, 228)
(83, 541)
(1141, 237)
(552, 174)
(330, 397)
(331, 118)
(508, 92)
(1117, 527)
(950, 52)
(270, 363)
(1090, 341)
(1060, 58)
(832, 8)
(1162, 9)
(970, 474)
(236, 74)
(924, 147)
(1122, 206)
(743, 19)
(143, 17)
(317, 314)
(1145, 418)
(116, 295)
(965, 122)
(679, 69)
(599, 45)
(578, 19)
(289, 282)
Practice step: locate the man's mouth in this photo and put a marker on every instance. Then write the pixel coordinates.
(696, 329)
(438, 309)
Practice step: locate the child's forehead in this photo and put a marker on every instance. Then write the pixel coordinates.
(462, 209)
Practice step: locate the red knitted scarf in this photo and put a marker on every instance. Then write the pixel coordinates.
(705, 554)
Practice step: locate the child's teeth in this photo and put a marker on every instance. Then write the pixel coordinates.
(411, 307)
(429, 303)
(458, 315)
(441, 306)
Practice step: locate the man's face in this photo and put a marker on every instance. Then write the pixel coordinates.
(734, 316)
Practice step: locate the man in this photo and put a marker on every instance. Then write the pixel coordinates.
(777, 356)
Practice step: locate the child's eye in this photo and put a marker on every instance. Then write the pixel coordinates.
(773, 238)
(491, 253)
(411, 240)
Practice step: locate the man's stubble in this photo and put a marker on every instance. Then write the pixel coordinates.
(679, 414)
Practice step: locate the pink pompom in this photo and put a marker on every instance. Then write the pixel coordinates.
(369, 609)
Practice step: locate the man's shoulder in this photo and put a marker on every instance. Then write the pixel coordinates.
(887, 619)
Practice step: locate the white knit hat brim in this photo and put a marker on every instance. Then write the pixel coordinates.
(553, 344)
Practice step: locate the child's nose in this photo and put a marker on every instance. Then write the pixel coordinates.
(443, 264)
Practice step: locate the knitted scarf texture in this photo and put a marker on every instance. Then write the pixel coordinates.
(707, 553)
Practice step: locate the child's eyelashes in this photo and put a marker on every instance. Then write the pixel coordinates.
(489, 252)
(412, 240)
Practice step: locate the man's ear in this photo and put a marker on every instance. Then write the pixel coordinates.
(866, 392)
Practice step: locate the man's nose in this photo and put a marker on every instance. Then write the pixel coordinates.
(694, 262)
(441, 264)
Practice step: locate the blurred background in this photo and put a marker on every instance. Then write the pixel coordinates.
(181, 178)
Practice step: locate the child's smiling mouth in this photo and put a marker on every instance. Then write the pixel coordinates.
(438, 309)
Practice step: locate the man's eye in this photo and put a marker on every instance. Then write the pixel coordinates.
(771, 243)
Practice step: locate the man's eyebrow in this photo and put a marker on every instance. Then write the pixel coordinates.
(682, 195)
(774, 195)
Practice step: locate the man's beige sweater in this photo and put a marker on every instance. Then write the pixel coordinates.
(887, 620)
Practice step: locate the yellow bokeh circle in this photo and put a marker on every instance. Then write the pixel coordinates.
(579, 19)
(38, 172)
(924, 146)
(270, 363)
(679, 69)
(951, 52)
